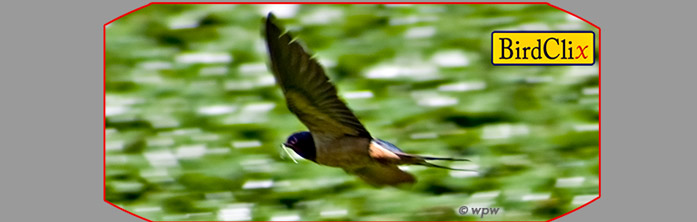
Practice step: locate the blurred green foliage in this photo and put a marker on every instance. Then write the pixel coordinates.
(194, 120)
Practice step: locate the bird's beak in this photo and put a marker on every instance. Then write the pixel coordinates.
(285, 147)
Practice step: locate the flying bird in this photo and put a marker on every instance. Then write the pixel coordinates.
(336, 137)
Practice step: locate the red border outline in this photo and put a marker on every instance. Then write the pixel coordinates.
(416, 3)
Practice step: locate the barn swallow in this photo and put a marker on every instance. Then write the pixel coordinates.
(336, 137)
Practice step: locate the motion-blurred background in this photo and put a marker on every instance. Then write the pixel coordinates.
(194, 119)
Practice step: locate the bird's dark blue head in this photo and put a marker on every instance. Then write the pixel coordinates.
(302, 144)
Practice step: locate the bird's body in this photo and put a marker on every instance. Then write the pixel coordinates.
(336, 137)
(345, 152)
(373, 160)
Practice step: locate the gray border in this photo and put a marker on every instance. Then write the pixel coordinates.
(51, 120)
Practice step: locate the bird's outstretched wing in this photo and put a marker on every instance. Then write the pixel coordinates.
(309, 93)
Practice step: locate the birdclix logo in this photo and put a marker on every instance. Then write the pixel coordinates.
(543, 48)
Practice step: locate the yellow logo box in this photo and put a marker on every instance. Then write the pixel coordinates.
(542, 48)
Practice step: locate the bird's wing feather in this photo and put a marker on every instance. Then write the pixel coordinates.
(383, 174)
(309, 93)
